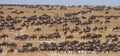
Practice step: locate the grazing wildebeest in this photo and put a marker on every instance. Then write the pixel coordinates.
(116, 28)
(33, 37)
(11, 50)
(33, 49)
(4, 36)
(18, 29)
(27, 45)
(1, 12)
(1, 50)
(12, 45)
(22, 37)
(69, 36)
(37, 29)
(44, 46)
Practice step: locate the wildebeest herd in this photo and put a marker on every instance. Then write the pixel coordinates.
(38, 28)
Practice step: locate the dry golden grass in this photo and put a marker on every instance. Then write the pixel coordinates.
(46, 29)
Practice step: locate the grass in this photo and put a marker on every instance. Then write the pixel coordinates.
(47, 30)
